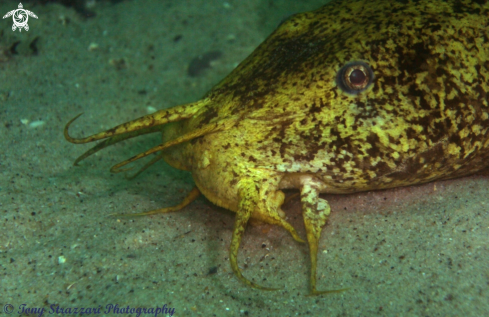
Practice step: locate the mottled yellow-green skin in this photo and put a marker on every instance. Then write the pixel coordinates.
(280, 119)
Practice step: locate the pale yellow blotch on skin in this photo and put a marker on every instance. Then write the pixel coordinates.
(452, 94)
(350, 120)
(453, 149)
(371, 174)
(464, 133)
(376, 160)
(420, 78)
(205, 160)
(405, 144)
(384, 139)
(324, 207)
(476, 129)
(389, 90)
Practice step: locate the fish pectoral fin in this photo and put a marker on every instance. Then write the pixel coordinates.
(315, 211)
(272, 213)
(248, 200)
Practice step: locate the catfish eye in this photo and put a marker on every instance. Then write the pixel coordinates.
(355, 77)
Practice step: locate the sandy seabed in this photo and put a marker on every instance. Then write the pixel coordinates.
(417, 251)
